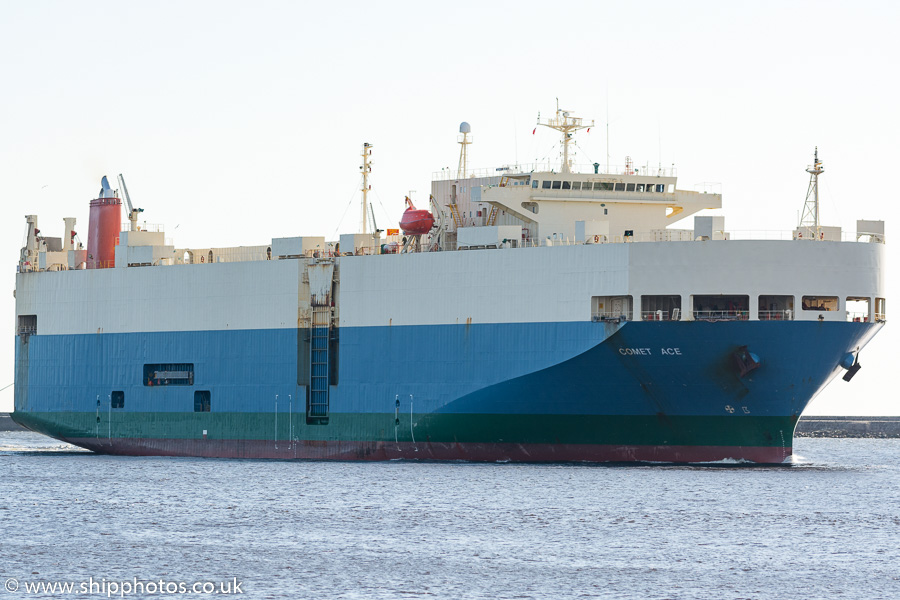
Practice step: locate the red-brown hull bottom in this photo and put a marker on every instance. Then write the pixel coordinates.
(476, 452)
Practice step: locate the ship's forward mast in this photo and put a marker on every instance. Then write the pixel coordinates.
(809, 222)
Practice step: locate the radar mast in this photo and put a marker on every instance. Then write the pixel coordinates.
(566, 124)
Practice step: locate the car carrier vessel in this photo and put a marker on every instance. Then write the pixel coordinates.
(548, 314)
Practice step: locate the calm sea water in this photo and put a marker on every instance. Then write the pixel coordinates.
(826, 527)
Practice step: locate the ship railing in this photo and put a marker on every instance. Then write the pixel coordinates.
(858, 317)
(721, 315)
(746, 235)
(553, 167)
(787, 235)
(880, 317)
(27, 330)
(151, 227)
(602, 316)
(656, 315)
(776, 315)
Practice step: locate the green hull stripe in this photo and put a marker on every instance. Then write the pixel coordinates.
(730, 430)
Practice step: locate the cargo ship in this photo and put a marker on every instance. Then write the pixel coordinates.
(531, 313)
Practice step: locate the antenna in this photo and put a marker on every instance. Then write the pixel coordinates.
(465, 129)
(607, 127)
(567, 125)
(810, 220)
(659, 144)
(366, 168)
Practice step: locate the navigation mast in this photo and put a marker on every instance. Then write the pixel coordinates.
(567, 125)
(366, 168)
(810, 219)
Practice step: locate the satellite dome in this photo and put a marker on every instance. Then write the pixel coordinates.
(465, 127)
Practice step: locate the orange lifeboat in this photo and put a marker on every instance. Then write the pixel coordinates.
(415, 221)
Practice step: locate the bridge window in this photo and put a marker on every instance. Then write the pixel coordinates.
(576, 185)
(201, 401)
(620, 187)
(721, 307)
(117, 400)
(661, 308)
(557, 185)
(660, 188)
(545, 185)
(168, 374)
(776, 308)
(567, 185)
(606, 186)
(821, 303)
(629, 187)
(534, 183)
(639, 187)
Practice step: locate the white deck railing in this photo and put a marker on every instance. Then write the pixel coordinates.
(553, 166)
(776, 315)
(721, 315)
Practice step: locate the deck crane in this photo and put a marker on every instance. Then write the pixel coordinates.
(132, 211)
(372, 213)
(376, 233)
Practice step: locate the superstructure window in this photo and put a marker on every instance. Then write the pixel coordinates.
(545, 185)
(611, 308)
(776, 308)
(820, 303)
(201, 401)
(534, 183)
(168, 374)
(117, 400)
(660, 188)
(27, 325)
(639, 187)
(721, 307)
(857, 309)
(620, 187)
(661, 308)
(629, 187)
(556, 184)
(576, 185)
(567, 185)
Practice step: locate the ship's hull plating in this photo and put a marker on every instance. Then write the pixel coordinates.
(667, 392)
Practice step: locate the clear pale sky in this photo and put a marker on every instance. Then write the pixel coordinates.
(238, 122)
